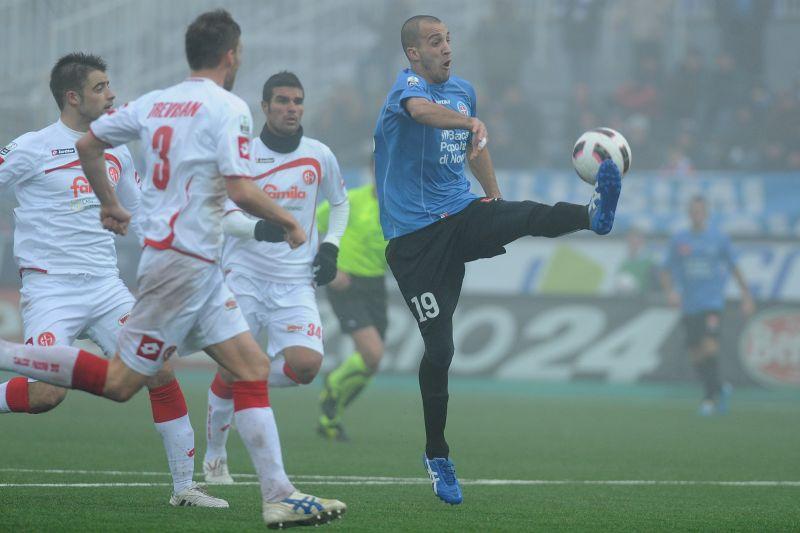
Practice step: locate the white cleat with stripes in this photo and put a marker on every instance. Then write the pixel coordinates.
(216, 472)
(300, 509)
(196, 496)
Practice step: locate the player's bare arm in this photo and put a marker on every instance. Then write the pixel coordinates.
(251, 199)
(91, 151)
(483, 170)
(438, 116)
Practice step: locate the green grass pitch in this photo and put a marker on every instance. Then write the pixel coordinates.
(565, 442)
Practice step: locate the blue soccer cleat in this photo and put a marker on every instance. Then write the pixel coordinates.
(603, 204)
(444, 480)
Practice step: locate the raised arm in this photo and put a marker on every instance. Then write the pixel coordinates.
(435, 115)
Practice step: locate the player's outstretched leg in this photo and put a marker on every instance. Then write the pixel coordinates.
(20, 395)
(603, 204)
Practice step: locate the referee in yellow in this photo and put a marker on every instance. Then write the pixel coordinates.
(358, 297)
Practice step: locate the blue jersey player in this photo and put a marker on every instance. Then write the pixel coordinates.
(426, 134)
(695, 273)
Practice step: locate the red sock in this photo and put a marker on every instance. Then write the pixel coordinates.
(17, 395)
(250, 394)
(220, 388)
(89, 373)
(168, 402)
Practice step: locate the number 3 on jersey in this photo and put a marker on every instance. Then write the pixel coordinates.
(426, 306)
(162, 139)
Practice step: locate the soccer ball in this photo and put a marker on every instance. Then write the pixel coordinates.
(594, 147)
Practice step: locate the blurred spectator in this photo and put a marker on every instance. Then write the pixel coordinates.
(741, 26)
(581, 22)
(686, 96)
(516, 130)
(637, 273)
(502, 52)
(345, 124)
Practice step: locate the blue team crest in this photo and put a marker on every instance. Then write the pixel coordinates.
(412, 81)
(462, 108)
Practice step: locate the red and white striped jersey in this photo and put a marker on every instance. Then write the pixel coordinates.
(296, 181)
(57, 223)
(193, 134)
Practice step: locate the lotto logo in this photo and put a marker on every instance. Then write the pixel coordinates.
(46, 339)
(309, 177)
(149, 348)
(124, 318)
(244, 147)
(292, 328)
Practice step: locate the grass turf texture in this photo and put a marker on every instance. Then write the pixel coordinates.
(497, 430)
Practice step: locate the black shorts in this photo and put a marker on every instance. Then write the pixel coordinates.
(701, 325)
(361, 305)
(428, 264)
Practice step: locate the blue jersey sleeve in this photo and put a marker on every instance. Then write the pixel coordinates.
(415, 87)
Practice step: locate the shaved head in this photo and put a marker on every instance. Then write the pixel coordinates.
(409, 34)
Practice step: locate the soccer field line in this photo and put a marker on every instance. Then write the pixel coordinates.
(379, 480)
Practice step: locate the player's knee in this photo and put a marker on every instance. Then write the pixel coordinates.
(304, 364)
(709, 346)
(254, 368)
(45, 397)
(164, 376)
(372, 358)
(439, 351)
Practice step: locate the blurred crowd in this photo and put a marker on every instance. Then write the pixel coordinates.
(707, 110)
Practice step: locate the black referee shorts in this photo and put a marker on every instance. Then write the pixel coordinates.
(428, 264)
(361, 305)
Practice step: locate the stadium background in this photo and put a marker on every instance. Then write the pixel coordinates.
(708, 97)
(556, 341)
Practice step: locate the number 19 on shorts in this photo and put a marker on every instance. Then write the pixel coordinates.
(426, 306)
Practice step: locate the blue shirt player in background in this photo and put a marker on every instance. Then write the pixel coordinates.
(694, 278)
(426, 132)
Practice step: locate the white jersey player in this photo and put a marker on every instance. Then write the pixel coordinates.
(197, 139)
(273, 283)
(68, 263)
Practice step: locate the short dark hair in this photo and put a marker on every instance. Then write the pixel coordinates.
(409, 34)
(281, 79)
(210, 37)
(70, 73)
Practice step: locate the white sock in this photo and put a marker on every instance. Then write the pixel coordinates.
(178, 437)
(4, 408)
(218, 425)
(51, 364)
(277, 377)
(259, 432)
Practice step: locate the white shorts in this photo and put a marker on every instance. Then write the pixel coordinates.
(59, 308)
(182, 305)
(288, 311)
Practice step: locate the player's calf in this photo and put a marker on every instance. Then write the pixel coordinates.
(43, 397)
